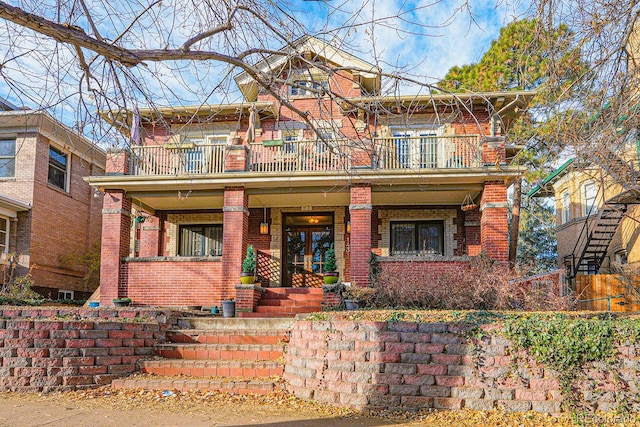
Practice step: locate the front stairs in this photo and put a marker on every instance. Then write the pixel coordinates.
(287, 302)
(216, 354)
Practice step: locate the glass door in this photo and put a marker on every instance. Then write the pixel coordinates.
(306, 238)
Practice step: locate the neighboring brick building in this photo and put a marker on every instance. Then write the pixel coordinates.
(416, 179)
(47, 210)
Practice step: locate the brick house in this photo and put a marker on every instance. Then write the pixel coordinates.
(47, 210)
(396, 176)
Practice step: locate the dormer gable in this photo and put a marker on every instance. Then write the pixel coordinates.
(309, 61)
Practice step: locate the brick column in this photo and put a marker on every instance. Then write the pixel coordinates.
(150, 237)
(360, 246)
(116, 229)
(494, 151)
(235, 158)
(494, 227)
(234, 237)
(117, 162)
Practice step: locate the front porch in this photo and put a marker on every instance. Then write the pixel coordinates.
(168, 249)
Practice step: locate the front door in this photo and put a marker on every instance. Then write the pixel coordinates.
(306, 238)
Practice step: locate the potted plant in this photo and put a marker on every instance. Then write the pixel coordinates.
(356, 296)
(122, 302)
(229, 308)
(248, 275)
(330, 266)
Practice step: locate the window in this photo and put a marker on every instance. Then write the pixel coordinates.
(418, 148)
(7, 158)
(566, 207)
(309, 87)
(65, 295)
(200, 240)
(589, 193)
(58, 168)
(4, 236)
(289, 138)
(417, 238)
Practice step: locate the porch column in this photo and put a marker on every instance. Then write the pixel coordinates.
(235, 232)
(150, 237)
(116, 229)
(494, 227)
(360, 246)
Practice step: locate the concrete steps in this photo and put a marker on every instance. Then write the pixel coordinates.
(287, 302)
(229, 385)
(212, 368)
(216, 354)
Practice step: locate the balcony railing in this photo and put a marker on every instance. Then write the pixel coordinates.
(392, 153)
(164, 160)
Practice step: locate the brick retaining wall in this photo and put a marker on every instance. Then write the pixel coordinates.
(60, 349)
(405, 366)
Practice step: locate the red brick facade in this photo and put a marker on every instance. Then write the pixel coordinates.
(60, 222)
(365, 185)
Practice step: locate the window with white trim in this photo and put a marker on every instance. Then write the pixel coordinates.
(4, 237)
(309, 87)
(290, 137)
(200, 240)
(65, 295)
(7, 157)
(565, 209)
(589, 194)
(58, 168)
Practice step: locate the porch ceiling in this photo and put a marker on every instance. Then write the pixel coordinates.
(306, 197)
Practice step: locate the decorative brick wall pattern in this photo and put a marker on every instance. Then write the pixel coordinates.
(40, 353)
(406, 366)
(175, 282)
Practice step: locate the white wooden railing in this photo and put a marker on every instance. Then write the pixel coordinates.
(392, 153)
(163, 160)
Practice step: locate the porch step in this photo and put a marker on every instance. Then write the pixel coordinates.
(235, 325)
(230, 385)
(211, 368)
(281, 302)
(207, 336)
(219, 351)
(292, 310)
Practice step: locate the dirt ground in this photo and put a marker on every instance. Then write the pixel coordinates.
(104, 407)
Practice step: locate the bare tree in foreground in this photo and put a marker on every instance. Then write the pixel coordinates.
(111, 55)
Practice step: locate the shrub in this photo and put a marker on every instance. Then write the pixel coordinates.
(330, 260)
(249, 262)
(481, 284)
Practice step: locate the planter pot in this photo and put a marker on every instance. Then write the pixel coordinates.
(351, 304)
(94, 304)
(121, 302)
(228, 308)
(331, 277)
(247, 278)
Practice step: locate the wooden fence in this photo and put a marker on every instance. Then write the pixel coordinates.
(607, 292)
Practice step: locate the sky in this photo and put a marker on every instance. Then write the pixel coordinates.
(420, 39)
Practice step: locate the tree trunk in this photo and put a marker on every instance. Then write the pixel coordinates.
(515, 221)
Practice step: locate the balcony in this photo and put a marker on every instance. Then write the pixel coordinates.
(392, 153)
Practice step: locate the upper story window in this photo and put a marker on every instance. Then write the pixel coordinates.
(58, 168)
(4, 237)
(417, 238)
(565, 209)
(309, 87)
(200, 240)
(589, 193)
(7, 158)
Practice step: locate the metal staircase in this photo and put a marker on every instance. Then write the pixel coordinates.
(596, 235)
